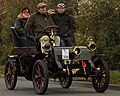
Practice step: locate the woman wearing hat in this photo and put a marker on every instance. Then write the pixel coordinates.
(21, 21)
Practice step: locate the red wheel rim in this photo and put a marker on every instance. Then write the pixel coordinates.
(9, 74)
(39, 77)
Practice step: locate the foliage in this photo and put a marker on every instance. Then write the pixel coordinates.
(10, 14)
(2, 69)
(115, 77)
(0, 28)
(100, 18)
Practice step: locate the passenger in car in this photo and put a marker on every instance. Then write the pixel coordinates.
(66, 23)
(21, 21)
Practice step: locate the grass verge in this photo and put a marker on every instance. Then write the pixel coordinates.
(115, 77)
(1, 69)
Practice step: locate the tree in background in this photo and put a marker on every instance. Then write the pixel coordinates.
(11, 8)
(101, 18)
(1, 2)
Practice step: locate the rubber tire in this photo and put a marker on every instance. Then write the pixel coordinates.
(42, 90)
(14, 82)
(68, 82)
(107, 76)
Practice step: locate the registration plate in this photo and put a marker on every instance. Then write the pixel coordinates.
(65, 53)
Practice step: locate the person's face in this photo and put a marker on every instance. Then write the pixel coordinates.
(61, 10)
(26, 12)
(42, 10)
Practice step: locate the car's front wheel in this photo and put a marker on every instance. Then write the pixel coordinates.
(101, 81)
(40, 77)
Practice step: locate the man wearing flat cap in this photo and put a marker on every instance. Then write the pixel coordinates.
(67, 25)
(37, 22)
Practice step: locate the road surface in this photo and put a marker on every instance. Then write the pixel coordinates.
(25, 88)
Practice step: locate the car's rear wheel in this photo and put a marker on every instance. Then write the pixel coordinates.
(101, 81)
(40, 77)
(10, 75)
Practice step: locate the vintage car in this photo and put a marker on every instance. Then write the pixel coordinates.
(63, 63)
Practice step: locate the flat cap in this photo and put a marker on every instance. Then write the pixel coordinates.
(41, 5)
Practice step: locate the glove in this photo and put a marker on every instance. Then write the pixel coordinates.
(65, 35)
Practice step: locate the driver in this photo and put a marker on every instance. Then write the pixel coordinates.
(36, 24)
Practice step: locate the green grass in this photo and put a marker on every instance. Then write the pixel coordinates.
(115, 77)
(2, 69)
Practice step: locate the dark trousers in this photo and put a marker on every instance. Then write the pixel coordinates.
(69, 41)
(62, 43)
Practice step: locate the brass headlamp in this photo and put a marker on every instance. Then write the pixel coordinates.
(76, 50)
(46, 45)
(91, 45)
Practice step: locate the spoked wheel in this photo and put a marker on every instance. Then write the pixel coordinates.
(65, 82)
(40, 77)
(10, 75)
(101, 82)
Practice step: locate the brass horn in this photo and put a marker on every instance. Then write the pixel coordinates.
(91, 45)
